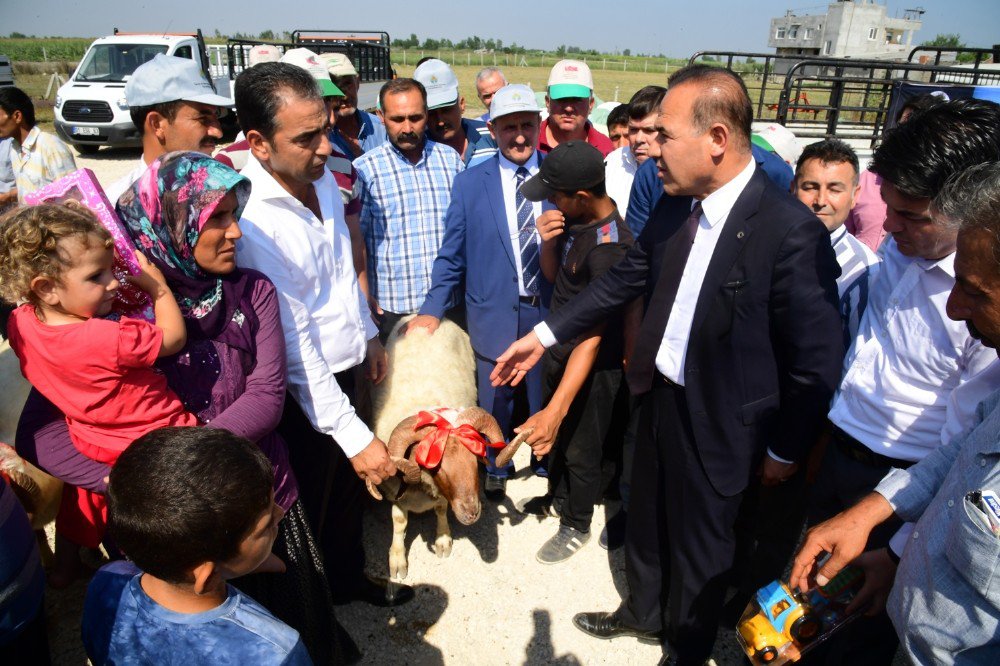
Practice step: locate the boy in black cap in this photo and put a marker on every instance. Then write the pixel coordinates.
(581, 239)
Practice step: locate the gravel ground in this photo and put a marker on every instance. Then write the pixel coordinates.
(490, 602)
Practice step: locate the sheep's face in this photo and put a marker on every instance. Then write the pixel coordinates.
(458, 480)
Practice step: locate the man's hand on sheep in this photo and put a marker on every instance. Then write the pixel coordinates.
(513, 364)
(430, 322)
(377, 361)
(374, 463)
(550, 224)
(543, 427)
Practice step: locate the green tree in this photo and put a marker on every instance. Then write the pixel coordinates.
(951, 40)
(267, 35)
(627, 52)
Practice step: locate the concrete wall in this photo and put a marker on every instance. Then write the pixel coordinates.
(846, 27)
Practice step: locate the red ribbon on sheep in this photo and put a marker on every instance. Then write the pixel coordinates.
(429, 450)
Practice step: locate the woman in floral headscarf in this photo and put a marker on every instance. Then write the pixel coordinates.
(182, 214)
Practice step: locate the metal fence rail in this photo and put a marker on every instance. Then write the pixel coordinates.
(841, 97)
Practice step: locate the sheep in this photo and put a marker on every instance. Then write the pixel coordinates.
(429, 372)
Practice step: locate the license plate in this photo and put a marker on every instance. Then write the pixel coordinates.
(86, 131)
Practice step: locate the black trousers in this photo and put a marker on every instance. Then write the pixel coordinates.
(841, 482)
(330, 491)
(679, 540)
(575, 464)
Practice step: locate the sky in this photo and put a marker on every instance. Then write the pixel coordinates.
(673, 27)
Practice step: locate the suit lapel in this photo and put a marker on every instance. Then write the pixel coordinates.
(735, 233)
(494, 195)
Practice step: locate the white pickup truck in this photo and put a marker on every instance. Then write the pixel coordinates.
(91, 110)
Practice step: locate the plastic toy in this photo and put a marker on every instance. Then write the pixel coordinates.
(779, 625)
(82, 186)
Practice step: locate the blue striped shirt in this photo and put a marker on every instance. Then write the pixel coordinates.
(402, 219)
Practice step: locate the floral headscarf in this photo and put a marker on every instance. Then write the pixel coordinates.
(164, 213)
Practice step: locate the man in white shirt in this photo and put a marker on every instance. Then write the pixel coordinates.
(909, 357)
(621, 164)
(826, 180)
(294, 232)
(174, 108)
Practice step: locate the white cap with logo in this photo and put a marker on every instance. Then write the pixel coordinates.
(310, 62)
(513, 98)
(570, 78)
(439, 81)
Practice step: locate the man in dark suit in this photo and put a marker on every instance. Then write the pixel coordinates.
(739, 350)
(491, 242)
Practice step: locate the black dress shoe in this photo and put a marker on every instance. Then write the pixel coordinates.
(495, 488)
(377, 592)
(608, 625)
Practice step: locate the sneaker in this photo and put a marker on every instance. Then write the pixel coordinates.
(613, 534)
(495, 488)
(540, 506)
(562, 546)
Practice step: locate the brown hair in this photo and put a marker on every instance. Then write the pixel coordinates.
(29, 244)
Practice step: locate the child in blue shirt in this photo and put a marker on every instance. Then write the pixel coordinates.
(191, 508)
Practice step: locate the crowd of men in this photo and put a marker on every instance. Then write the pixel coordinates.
(717, 321)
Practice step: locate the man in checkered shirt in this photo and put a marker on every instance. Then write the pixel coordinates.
(406, 188)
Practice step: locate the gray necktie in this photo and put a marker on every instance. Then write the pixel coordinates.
(526, 236)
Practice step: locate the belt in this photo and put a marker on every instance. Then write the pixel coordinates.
(667, 380)
(855, 450)
(529, 300)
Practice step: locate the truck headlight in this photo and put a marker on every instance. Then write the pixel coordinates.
(59, 101)
(123, 104)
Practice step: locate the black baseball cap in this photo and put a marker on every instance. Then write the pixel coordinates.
(570, 167)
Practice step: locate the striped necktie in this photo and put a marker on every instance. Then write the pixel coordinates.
(526, 236)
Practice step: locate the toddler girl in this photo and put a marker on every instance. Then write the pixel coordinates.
(57, 259)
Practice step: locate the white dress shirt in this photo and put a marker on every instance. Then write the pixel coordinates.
(619, 172)
(858, 268)
(907, 359)
(324, 314)
(508, 182)
(115, 190)
(715, 209)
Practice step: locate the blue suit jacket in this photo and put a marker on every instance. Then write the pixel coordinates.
(477, 246)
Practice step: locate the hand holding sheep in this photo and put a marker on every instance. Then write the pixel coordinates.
(541, 429)
(373, 462)
(430, 322)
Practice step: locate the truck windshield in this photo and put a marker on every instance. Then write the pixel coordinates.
(116, 62)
